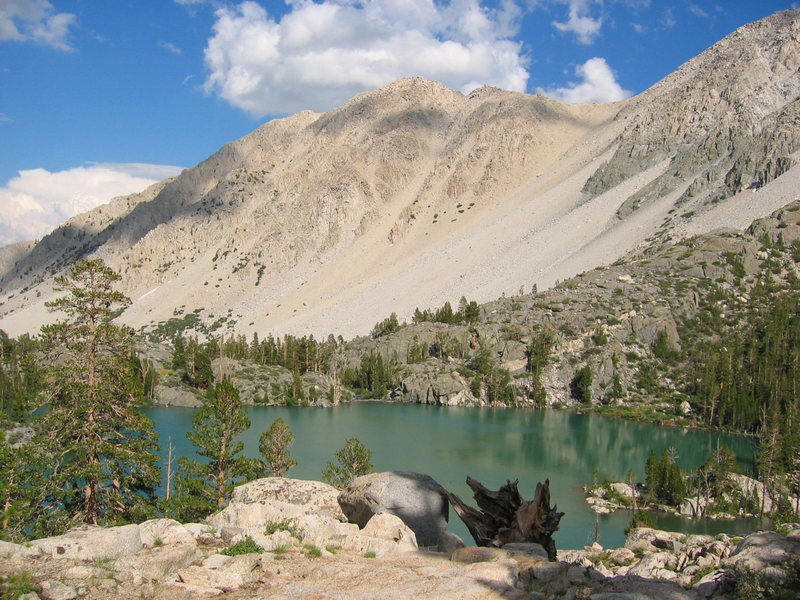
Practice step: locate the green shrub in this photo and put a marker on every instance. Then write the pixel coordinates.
(640, 519)
(246, 546)
(15, 585)
(282, 525)
(779, 582)
(353, 460)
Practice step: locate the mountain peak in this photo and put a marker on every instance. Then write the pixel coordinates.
(413, 194)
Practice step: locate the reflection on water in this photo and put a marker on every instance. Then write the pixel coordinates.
(491, 445)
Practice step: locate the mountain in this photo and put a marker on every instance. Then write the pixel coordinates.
(413, 194)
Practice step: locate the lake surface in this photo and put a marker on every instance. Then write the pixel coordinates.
(490, 445)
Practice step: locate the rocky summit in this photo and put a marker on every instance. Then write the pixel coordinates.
(413, 194)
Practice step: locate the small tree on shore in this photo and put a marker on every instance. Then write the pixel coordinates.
(353, 460)
(203, 487)
(274, 448)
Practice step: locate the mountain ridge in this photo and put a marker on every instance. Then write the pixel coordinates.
(413, 194)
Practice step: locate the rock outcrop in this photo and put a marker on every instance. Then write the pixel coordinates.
(165, 559)
(417, 499)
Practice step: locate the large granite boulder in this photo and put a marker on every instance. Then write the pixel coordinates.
(312, 497)
(765, 549)
(419, 501)
(277, 511)
(309, 508)
(89, 542)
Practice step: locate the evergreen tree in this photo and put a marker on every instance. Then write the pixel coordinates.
(100, 447)
(274, 448)
(20, 377)
(204, 486)
(353, 460)
(179, 354)
(22, 487)
(389, 325)
(538, 355)
(198, 365)
(664, 479)
(581, 385)
(469, 312)
(713, 480)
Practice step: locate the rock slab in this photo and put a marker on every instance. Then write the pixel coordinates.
(419, 501)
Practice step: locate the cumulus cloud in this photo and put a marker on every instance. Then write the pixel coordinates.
(320, 54)
(599, 84)
(34, 21)
(580, 23)
(36, 201)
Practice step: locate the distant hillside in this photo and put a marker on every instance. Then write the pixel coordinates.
(413, 194)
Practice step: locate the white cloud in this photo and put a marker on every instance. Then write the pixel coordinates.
(321, 54)
(599, 85)
(36, 200)
(169, 46)
(667, 19)
(698, 12)
(580, 23)
(34, 21)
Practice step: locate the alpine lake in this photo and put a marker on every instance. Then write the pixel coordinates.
(492, 446)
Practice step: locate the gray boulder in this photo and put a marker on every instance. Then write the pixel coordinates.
(89, 542)
(176, 396)
(417, 499)
(764, 549)
(312, 497)
(435, 382)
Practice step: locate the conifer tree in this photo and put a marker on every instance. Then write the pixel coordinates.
(99, 446)
(204, 486)
(274, 448)
(353, 460)
(22, 483)
(538, 355)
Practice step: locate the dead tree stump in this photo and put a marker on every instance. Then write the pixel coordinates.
(506, 518)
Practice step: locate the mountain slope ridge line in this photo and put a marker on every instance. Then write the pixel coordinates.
(413, 194)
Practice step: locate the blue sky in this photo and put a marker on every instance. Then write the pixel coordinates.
(101, 98)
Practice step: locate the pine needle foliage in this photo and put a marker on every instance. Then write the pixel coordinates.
(274, 448)
(100, 448)
(204, 487)
(353, 460)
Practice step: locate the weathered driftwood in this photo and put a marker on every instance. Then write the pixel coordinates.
(505, 517)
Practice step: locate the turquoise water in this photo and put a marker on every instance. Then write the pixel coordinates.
(490, 445)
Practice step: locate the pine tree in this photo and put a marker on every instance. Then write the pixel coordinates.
(204, 487)
(100, 447)
(22, 488)
(538, 355)
(179, 354)
(353, 460)
(274, 448)
(581, 385)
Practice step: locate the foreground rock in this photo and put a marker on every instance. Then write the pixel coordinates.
(276, 512)
(417, 499)
(166, 559)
